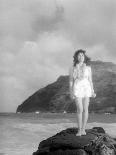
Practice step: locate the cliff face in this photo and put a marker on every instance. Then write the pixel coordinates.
(55, 97)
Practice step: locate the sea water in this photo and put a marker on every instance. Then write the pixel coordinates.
(20, 134)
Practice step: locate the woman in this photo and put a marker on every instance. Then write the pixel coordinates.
(81, 88)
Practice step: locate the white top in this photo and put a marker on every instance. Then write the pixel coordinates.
(83, 75)
(74, 73)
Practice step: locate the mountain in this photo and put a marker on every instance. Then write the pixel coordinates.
(55, 96)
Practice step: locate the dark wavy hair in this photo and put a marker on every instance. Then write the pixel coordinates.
(75, 57)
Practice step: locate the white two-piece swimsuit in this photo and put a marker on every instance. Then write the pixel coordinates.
(81, 86)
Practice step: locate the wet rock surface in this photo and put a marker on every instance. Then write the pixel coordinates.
(95, 142)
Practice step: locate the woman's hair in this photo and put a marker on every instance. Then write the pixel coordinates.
(75, 57)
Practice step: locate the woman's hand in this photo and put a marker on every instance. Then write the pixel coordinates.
(72, 95)
(93, 94)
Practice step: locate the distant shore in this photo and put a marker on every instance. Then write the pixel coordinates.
(93, 117)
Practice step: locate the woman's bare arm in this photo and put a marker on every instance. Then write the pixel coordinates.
(90, 79)
(71, 81)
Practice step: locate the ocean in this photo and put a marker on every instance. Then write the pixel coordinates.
(20, 134)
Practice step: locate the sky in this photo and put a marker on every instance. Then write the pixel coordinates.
(39, 37)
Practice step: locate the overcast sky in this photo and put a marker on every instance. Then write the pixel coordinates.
(38, 39)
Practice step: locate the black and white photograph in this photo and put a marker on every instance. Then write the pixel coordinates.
(57, 77)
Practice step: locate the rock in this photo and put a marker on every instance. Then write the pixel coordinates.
(95, 142)
(99, 129)
(63, 152)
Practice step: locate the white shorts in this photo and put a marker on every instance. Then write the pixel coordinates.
(82, 88)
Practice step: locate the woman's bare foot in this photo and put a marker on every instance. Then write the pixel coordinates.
(83, 132)
(78, 133)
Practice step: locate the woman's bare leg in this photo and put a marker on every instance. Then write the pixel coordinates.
(85, 113)
(79, 114)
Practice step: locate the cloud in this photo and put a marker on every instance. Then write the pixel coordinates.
(33, 67)
(38, 39)
(90, 23)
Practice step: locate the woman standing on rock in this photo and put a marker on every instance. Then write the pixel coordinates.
(81, 88)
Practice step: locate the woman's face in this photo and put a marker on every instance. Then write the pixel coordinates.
(81, 57)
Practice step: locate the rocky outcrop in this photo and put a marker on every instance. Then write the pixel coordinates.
(55, 97)
(95, 142)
